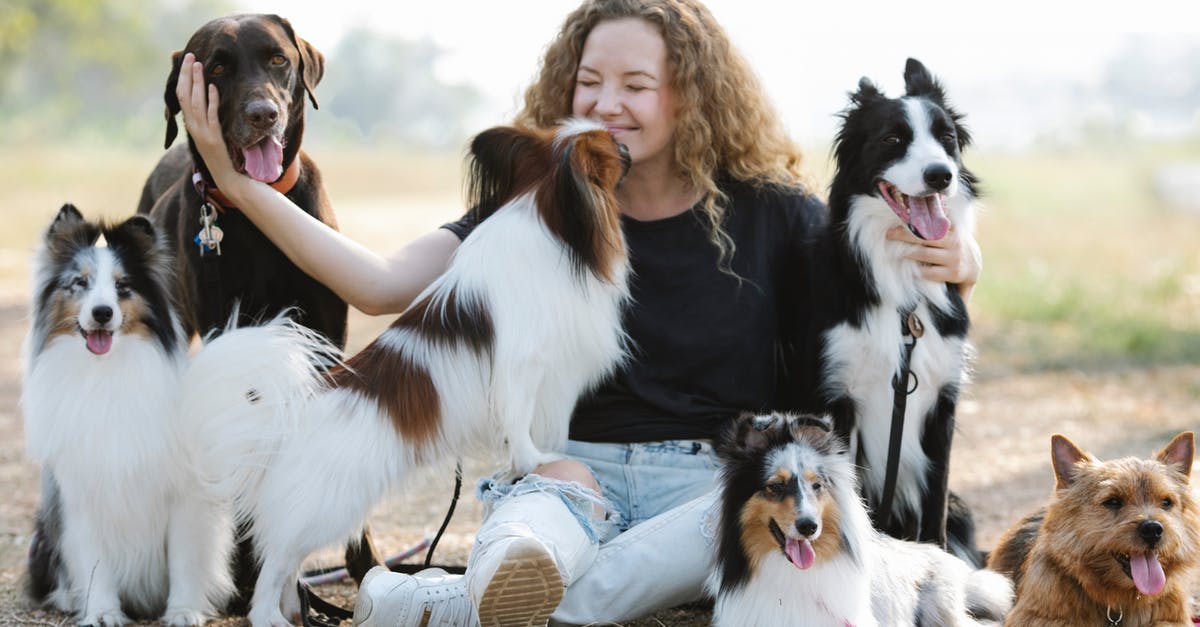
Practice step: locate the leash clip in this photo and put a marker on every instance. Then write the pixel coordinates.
(916, 328)
(210, 235)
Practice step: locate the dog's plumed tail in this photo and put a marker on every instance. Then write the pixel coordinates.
(989, 595)
(243, 393)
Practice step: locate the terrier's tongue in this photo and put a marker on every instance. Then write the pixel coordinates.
(800, 552)
(1147, 573)
(99, 341)
(264, 160)
(928, 217)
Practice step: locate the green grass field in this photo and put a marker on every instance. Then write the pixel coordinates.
(1084, 267)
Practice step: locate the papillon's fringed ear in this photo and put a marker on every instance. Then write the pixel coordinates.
(171, 100)
(919, 82)
(312, 62)
(578, 218)
(495, 163)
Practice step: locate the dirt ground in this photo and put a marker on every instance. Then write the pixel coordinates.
(1001, 462)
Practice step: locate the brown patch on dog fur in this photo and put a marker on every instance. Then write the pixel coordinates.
(762, 508)
(1071, 575)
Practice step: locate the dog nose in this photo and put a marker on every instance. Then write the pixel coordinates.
(262, 113)
(806, 527)
(102, 313)
(1151, 531)
(938, 177)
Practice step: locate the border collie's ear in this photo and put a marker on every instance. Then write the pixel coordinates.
(919, 82)
(1065, 455)
(867, 91)
(1178, 455)
(312, 62)
(171, 99)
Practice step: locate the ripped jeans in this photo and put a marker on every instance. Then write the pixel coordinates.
(656, 537)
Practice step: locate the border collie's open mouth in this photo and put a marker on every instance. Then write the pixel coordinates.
(924, 215)
(261, 161)
(99, 341)
(1145, 571)
(798, 551)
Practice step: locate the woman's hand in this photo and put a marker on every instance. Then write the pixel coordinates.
(953, 259)
(199, 103)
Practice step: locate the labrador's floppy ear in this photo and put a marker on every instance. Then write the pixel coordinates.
(171, 99)
(312, 62)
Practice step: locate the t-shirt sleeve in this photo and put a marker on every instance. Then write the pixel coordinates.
(463, 226)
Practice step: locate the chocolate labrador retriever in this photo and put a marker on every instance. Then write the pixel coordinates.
(263, 72)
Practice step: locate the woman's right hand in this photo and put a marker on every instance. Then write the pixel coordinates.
(199, 103)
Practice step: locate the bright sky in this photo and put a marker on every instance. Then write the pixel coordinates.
(808, 54)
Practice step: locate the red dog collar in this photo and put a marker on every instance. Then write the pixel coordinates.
(283, 185)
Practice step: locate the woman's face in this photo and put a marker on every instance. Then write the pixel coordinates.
(623, 83)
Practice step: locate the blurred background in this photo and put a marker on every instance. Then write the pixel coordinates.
(1087, 128)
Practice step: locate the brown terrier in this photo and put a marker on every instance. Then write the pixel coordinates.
(1115, 546)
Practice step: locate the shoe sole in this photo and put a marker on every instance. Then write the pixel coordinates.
(525, 590)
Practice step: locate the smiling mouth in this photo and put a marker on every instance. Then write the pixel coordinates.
(1145, 571)
(99, 341)
(925, 216)
(798, 551)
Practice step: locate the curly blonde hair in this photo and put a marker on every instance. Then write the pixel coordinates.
(724, 121)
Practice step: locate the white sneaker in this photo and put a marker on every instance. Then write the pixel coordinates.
(524, 589)
(430, 598)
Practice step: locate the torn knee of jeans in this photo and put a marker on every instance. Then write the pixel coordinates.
(594, 512)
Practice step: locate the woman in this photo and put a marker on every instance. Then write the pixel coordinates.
(716, 222)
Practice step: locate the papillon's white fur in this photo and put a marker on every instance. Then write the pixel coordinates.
(492, 356)
(797, 547)
(124, 520)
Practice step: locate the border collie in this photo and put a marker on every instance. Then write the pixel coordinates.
(126, 528)
(797, 547)
(491, 356)
(898, 163)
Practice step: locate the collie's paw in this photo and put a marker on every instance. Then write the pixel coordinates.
(272, 618)
(106, 618)
(184, 617)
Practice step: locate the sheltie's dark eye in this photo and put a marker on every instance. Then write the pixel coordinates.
(123, 289)
(774, 490)
(816, 486)
(1114, 503)
(80, 283)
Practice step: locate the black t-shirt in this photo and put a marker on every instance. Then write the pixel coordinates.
(705, 343)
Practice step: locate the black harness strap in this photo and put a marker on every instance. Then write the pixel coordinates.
(910, 329)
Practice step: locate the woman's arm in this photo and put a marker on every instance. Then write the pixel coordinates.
(363, 278)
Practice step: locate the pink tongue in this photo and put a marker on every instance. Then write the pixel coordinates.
(264, 160)
(99, 341)
(928, 216)
(1147, 573)
(800, 552)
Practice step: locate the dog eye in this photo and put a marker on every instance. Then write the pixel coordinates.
(817, 487)
(216, 70)
(1114, 503)
(948, 138)
(774, 489)
(123, 290)
(1167, 503)
(278, 59)
(891, 140)
(80, 283)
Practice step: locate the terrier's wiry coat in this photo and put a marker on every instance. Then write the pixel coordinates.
(1114, 546)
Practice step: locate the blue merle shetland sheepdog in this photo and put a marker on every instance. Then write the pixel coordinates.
(796, 546)
(125, 529)
(899, 162)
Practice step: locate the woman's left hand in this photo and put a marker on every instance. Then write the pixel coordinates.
(953, 259)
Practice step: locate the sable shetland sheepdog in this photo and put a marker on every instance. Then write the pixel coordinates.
(493, 355)
(797, 547)
(126, 528)
(898, 163)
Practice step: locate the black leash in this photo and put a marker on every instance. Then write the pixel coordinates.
(910, 328)
(317, 612)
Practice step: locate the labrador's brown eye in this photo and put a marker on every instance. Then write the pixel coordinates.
(216, 70)
(278, 59)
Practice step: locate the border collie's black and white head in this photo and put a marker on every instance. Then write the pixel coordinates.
(98, 291)
(906, 153)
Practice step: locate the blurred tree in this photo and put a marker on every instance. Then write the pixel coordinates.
(388, 89)
(71, 67)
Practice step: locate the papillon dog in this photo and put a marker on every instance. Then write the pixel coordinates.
(126, 528)
(491, 357)
(796, 546)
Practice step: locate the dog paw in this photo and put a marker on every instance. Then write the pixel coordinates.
(106, 618)
(184, 617)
